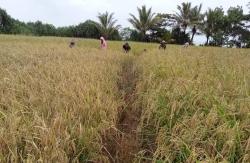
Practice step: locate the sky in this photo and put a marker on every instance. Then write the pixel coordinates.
(72, 12)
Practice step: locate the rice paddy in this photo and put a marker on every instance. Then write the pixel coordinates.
(83, 104)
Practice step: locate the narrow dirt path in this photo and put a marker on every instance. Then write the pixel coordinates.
(123, 145)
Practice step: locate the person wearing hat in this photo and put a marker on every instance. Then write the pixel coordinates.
(163, 45)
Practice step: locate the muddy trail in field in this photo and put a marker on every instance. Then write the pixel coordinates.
(123, 144)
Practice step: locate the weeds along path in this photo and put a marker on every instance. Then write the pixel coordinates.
(123, 145)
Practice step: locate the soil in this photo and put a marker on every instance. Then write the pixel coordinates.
(122, 145)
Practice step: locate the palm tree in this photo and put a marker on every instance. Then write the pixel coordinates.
(146, 20)
(196, 19)
(183, 18)
(212, 22)
(188, 16)
(107, 24)
(207, 24)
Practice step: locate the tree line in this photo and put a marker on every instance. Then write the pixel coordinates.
(220, 27)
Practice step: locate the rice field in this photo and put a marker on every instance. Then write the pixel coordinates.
(83, 104)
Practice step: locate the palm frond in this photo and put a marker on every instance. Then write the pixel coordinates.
(107, 24)
(145, 20)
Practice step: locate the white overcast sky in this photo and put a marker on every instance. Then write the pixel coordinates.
(72, 12)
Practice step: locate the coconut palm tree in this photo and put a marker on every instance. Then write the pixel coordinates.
(207, 24)
(107, 24)
(212, 22)
(145, 20)
(196, 19)
(183, 18)
(188, 16)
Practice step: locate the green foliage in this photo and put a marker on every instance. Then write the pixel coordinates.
(125, 33)
(159, 32)
(178, 36)
(236, 23)
(107, 25)
(188, 16)
(69, 31)
(145, 21)
(5, 22)
(183, 18)
(136, 36)
(20, 27)
(212, 23)
(87, 29)
(230, 28)
(40, 29)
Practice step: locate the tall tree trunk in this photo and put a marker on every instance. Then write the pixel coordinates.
(192, 38)
(207, 39)
(144, 37)
(185, 28)
(193, 33)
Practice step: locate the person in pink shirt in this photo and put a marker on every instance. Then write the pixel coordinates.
(104, 44)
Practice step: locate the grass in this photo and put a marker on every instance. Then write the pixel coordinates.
(57, 103)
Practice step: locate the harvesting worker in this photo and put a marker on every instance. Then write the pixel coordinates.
(126, 47)
(163, 45)
(186, 45)
(104, 44)
(72, 43)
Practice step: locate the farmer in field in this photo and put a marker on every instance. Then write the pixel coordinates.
(104, 44)
(163, 45)
(186, 45)
(126, 47)
(72, 43)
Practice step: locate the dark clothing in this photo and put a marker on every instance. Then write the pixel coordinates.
(72, 44)
(126, 48)
(163, 45)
